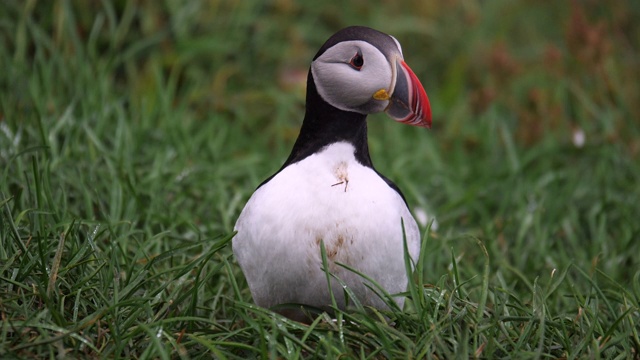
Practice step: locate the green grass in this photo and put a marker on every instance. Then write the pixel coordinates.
(131, 135)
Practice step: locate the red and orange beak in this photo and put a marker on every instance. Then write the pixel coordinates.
(409, 103)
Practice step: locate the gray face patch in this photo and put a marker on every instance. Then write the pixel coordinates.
(349, 88)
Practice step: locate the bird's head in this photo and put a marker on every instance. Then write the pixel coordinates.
(363, 70)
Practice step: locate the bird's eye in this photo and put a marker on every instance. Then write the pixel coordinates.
(357, 61)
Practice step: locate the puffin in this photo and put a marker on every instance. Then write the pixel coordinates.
(328, 193)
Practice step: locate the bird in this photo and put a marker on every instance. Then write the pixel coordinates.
(328, 193)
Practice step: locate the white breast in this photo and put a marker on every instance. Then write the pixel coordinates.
(327, 197)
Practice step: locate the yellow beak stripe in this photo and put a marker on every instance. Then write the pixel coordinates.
(381, 94)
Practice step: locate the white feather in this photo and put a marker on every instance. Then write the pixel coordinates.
(328, 196)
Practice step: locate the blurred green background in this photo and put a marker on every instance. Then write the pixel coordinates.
(142, 127)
